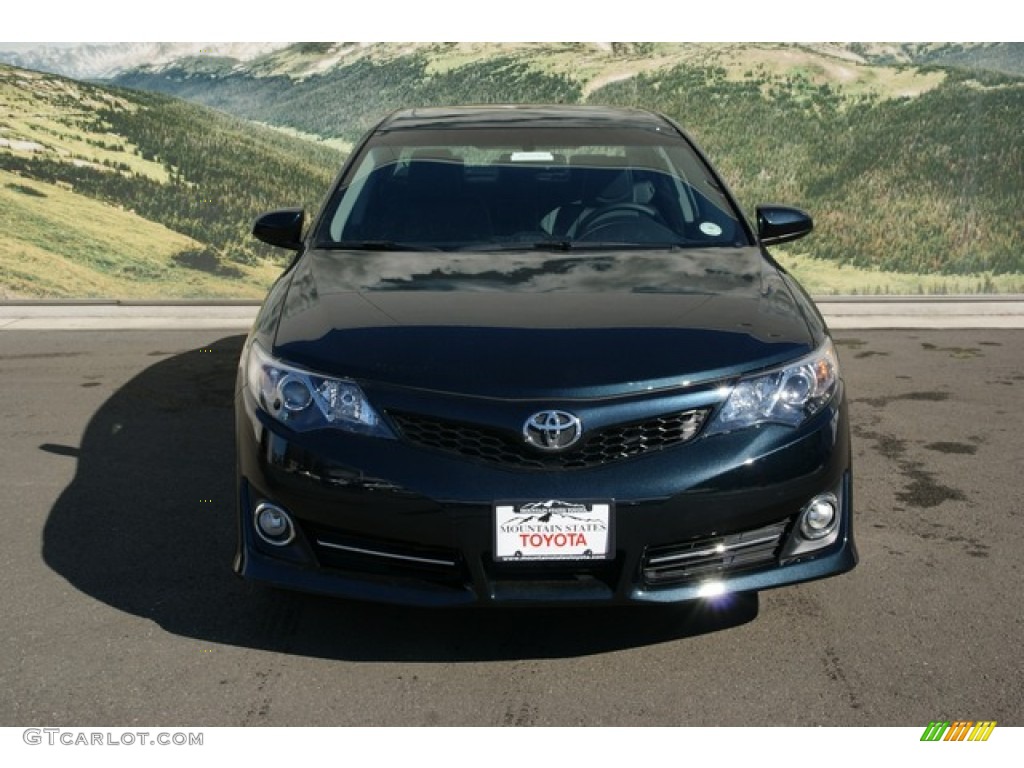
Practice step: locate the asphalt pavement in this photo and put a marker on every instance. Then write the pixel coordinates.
(119, 606)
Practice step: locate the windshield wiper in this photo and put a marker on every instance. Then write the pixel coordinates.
(572, 245)
(583, 245)
(552, 245)
(374, 245)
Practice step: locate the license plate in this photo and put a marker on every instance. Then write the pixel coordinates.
(553, 530)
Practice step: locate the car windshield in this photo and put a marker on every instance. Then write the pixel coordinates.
(547, 189)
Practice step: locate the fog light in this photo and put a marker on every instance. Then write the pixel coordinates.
(819, 517)
(274, 525)
(711, 589)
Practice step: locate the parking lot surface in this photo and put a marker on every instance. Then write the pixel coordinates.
(120, 607)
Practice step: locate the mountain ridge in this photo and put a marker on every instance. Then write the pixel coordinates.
(103, 61)
(298, 60)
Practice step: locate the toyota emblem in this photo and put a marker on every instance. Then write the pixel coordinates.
(552, 430)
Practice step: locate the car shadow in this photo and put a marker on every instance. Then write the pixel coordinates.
(146, 526)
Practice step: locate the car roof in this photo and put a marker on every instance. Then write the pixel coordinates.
(522, 116)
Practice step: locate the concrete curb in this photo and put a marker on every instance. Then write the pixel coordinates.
(841, 313)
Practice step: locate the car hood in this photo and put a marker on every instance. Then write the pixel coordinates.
(515, 324)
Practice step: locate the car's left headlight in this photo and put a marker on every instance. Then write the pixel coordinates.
(306, 400)
(784, 396)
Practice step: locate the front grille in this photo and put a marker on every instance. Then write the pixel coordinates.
(509, 449)
(676, 563)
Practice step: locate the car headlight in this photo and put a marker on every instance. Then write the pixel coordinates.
(783, 396)
(305, 400)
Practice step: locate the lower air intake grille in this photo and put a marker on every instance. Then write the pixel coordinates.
(349, 553)
(677, 563)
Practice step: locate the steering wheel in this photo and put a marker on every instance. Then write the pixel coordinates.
(603, 215)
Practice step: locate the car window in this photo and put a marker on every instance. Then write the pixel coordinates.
(480, 189)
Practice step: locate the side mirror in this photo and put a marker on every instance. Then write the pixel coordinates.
(781, 224)
(282, 228)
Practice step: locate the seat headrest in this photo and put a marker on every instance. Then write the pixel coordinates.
(435, 170)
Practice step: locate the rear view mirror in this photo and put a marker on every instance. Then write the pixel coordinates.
(781, 224)
(282, 228)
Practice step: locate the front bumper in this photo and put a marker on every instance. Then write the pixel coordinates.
(384, 521)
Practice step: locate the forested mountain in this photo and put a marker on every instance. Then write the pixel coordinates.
(909, 155)
(906, 167)
(926, 184)
(346, 100)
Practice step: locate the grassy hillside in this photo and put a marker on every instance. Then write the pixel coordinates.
(190, 178)
(822, 277)
(61, 244)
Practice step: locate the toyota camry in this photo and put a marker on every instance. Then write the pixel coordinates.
(538, 355)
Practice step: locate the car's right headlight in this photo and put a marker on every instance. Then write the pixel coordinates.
(306, 400)
(786, 395)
